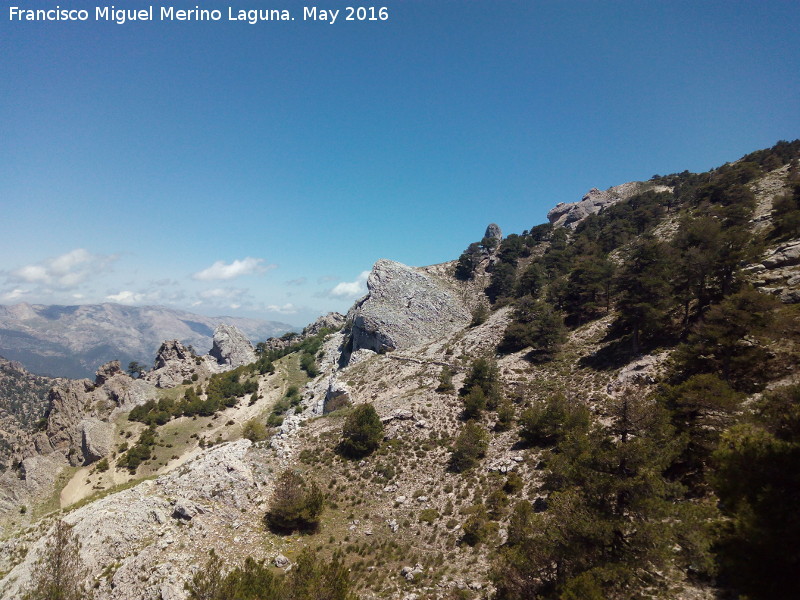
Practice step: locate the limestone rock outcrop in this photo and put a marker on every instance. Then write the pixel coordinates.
(778, 273)
(571, 214)
(97, 438)
(231, 347)
(175, 363)
(493, 231)
(107, 371)
(405, 307)
(333, 320)
(79, 412)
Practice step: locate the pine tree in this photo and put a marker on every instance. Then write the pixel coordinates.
(644, 298)
(296, 504)
(59, 574)
(362, 431)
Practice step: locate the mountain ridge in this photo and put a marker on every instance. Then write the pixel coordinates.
(73, 340)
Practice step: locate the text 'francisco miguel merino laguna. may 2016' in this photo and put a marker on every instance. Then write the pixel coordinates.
(120, 16)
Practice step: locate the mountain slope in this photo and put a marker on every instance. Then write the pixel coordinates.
(619, 419)
(72, 341)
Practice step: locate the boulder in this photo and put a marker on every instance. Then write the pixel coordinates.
(405, 307)
(107, 371)
(336, 396)
(97, 439)
(783, 256)
(186, 509)
(231, 347)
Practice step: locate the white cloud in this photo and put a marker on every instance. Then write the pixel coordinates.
(126, 297)
(67, 271)
(351, 289)
(222, 270)
(286, 309)
(298, 281)
(14, 294)
(222, 293)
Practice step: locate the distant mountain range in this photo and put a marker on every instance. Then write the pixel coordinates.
(72, 341)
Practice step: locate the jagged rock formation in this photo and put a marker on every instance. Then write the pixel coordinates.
(175, 363)
(332, 320)
(571, 214)
(493, 231)
(23, 402)
(231, 347)
(404, 307)
(76, 409)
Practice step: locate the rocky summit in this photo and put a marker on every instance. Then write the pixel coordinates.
(613, 393)
(404, 307)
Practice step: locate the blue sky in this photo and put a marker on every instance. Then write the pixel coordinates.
(260, 170)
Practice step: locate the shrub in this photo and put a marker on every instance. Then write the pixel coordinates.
(295, 504)
(428, 515)
(546, 424)
(254, 430)
(445, 381)
(477, 527)
(470, 445)
(362, 431)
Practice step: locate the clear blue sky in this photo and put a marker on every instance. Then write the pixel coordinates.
(230, 168)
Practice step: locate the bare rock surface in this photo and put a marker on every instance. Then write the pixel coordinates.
(175, 363)
(493, 231)
(571, 214)
(231, 347)
(332, 320)
(405, 307)
(97, 438)
(778, 273)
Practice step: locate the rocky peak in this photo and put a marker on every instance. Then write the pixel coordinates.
(404, 307)
(231, 347)
(170, 351)
(493, 231)
(333, 320)
(107, 371)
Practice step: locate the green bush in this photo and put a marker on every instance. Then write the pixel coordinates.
(254, 430)
(362, 431)
(470, 445)
(547, 423)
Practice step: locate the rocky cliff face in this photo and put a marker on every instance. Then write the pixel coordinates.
(404, 307)
(79, 412)
(571, 214)
(23, 402)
